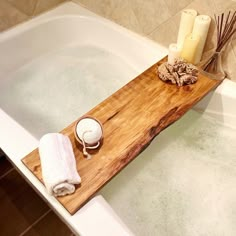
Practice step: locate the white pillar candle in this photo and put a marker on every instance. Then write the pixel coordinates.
(186, 25)
(201, 28)
(189, 49)
(174, 53)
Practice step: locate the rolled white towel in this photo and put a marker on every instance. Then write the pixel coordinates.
(58, 164)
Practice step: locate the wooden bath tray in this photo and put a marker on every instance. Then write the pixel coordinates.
(131, 118)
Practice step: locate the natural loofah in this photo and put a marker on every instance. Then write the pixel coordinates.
(180, 73)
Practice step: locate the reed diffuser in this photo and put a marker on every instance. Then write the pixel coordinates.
(226, 28)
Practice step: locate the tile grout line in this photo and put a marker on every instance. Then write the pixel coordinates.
(9, 171)
(35, 8)
(168, 19)
(31, 226)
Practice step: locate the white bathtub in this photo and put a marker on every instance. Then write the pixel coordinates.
(67, 27)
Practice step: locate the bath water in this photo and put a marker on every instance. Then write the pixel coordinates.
(182, 184)
(50, 92)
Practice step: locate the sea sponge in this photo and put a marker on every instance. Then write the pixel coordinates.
(180, 73)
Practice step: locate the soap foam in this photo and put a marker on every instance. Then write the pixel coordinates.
(50, 92)
(183, 183)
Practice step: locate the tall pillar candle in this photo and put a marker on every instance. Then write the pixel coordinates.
(201, 28)
(190, 47)
(186, 25)
(173, 54)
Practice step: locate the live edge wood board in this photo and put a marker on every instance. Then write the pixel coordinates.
(131, 118)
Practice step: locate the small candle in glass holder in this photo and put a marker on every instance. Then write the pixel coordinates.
(89, 131)
(190, 48)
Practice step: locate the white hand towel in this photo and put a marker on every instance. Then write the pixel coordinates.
(58, 164)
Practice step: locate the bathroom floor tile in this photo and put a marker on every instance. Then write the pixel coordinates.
(48, 226)
(5, 165)
(20, 205)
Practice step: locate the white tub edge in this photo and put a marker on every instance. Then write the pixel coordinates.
(219, 104)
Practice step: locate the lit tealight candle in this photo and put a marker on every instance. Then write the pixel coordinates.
(190, 47)
(174, 53)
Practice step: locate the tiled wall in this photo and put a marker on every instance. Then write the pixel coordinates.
(159, 19)
(156, 19)
(13, 12)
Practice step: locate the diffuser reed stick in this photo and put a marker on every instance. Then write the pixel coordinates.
(226, 28)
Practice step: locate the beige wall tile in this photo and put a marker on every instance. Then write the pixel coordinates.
(9, 15)
(150, 14)
(233, 44)
(203, 7)
(118, 11)
(26, 6)
(229, 60)
(137, 15)
(101, 7)
(167, 32)
(122, 13)
(176, 6)
(224, 5)
(44, 5)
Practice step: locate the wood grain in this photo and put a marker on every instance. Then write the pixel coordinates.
(131, 118)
